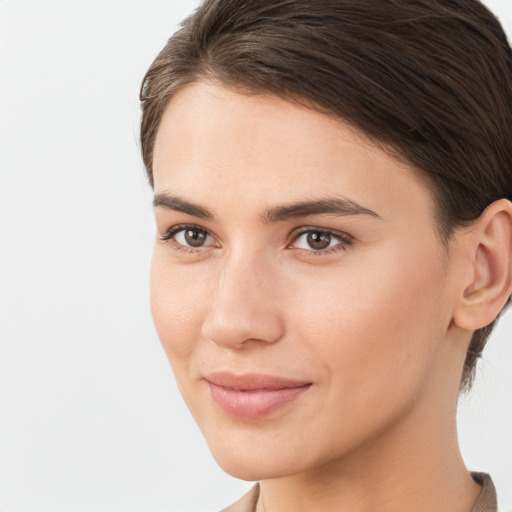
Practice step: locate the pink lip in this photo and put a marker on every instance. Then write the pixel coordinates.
(253, 396)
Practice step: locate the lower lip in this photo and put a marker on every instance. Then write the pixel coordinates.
(254, 404)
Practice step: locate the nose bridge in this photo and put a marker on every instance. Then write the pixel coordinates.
(245, 272)
(244, 305)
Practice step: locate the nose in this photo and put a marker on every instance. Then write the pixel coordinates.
(246, 306)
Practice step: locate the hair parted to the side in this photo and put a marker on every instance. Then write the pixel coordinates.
(431, 80)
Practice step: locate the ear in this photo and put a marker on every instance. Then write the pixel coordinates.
(489, 282)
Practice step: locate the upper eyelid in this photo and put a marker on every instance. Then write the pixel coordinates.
(300, 230)
(170, 233)
(176, 228)
(306, 229)
(345, 240)
(292, 236)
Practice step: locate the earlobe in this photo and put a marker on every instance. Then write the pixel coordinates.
(490, 283)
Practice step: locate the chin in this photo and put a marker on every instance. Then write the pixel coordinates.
(257, 459)
(252, 469)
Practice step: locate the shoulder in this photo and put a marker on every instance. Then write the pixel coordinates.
(487, 501)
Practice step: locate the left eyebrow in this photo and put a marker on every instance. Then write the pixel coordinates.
(334, 205)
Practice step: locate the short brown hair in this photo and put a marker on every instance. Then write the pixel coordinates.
(430, 80)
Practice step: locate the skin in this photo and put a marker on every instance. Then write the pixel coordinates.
(378, 323)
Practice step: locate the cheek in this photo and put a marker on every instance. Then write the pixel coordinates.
(375, 325)
(178, 307)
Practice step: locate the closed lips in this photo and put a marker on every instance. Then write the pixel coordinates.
(252, 381)
(253, 396)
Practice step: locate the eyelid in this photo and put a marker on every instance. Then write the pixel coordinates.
(345, 239)
(170, 234)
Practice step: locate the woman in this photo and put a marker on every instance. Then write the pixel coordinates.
(332, 195)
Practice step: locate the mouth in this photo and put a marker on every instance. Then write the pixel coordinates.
(253, 396)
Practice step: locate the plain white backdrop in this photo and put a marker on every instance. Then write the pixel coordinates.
(90, 418)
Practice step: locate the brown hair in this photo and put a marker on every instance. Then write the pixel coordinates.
(431, 80)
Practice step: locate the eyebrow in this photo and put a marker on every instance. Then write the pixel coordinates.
(332, 205)
(178, 204)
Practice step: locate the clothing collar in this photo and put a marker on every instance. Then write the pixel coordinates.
(486, 501)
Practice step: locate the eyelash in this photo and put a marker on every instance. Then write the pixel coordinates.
(345, 240)
(170, 235)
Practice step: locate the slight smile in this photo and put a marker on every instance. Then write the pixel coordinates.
(253, 396)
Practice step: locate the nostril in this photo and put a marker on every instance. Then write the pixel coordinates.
(241, 328)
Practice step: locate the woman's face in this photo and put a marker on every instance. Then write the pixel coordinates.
(298, 284)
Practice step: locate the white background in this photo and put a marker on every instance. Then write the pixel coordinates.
(90, 419)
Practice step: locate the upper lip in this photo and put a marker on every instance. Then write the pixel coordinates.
(253, 381)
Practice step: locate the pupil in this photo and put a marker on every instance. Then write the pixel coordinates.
(319, 240)
(195, 238)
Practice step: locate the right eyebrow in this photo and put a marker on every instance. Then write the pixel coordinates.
(177, 204)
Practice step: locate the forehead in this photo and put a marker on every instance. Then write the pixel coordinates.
(215, 143)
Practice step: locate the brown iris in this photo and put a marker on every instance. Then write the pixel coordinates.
(195, 237)
(319, 240)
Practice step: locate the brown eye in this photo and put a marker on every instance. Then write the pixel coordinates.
(318, 240)
(189, 236)
(195, 237)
